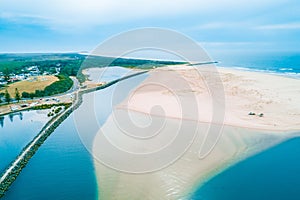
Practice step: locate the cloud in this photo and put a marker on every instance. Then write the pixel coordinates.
(219, 25)
(94, 12)
(23, 18)
(286, 26)
(226, 43)
(79, 13)
(85, 22)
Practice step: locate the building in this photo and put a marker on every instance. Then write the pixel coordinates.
(2, 83)
(34, 70)
(20, 77)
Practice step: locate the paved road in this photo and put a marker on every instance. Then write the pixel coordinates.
(11, 173)
(75, 86)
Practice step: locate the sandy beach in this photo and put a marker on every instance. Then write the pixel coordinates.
(190, 104)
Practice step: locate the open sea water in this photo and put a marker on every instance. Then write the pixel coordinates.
(272, 174)
(63, 168)
(283, 63)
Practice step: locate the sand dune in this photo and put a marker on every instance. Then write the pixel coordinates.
(190, 105)
(275, 96)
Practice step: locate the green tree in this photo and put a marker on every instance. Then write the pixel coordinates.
(25, 95)
(17, 95)
(31, 95)
(7, 97)
(1, 95)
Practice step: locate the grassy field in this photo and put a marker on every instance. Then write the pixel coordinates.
(34, 83)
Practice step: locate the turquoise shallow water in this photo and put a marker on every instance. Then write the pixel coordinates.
(273, 174)
(63, 169)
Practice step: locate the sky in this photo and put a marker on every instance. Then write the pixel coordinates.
(217, 25)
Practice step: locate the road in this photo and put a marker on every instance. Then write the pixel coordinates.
(11, 173)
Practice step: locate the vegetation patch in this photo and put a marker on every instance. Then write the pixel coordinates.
(63, 84)
(71, 63)
(48, 106)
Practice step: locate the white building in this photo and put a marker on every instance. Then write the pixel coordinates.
(20, 77)
(34, 70)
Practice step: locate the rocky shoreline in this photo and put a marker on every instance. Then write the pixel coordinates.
(15, 168)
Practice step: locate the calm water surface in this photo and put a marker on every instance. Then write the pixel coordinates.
(63, 168)
(273, 174)
(16, 130)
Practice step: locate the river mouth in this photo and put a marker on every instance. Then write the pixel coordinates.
(265, 173)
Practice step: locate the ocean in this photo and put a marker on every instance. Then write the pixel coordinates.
(274, 173)
(282, 63)
(63, 168)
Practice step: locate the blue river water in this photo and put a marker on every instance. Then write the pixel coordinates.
(16, 130)
(273, 174)
(63, 169)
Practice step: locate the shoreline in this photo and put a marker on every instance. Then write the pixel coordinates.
(292, 75)
(244, 91)
(233, 162)
(191, 175)
(243, 135)
(11, 173)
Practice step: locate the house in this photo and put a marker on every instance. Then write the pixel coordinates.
(20, 77)
(34, 70)
(27, 75)
(57, 69)
(3, 83)
(12, 75)
(13, 79)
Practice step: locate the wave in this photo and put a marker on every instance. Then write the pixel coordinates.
(282, 71)
(285, 69)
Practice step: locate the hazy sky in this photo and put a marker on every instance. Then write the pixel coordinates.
(77, 25)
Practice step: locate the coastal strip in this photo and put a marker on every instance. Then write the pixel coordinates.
(243, 133)
(15, 168)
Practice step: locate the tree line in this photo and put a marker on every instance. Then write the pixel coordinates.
(62, 85)
(7, 97)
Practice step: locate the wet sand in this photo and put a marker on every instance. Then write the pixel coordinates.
(187, 102)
